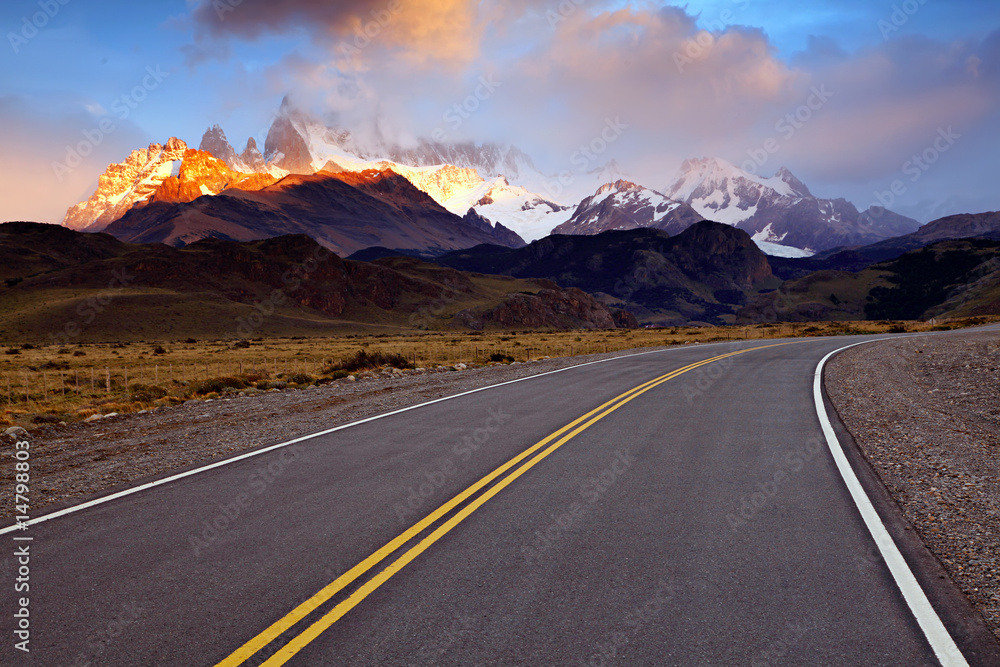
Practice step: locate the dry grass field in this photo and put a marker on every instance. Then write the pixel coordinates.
(47, 384)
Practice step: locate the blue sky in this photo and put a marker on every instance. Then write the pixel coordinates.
(898, 72)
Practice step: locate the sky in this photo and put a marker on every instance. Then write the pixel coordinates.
(891, 103)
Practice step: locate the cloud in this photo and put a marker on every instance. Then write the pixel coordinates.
(428, 32)
(562, 70)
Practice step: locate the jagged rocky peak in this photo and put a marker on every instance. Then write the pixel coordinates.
(125, 183)
(287, 148)
(252, 158)
(621, 185)
(797, 186)
(214, 141)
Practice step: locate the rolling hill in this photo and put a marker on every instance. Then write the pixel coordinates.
(704, 274)
(952, 278)
(66, 286)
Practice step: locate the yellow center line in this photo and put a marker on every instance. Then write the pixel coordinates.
(327, 592)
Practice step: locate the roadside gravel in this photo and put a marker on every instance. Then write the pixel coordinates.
(926, 413)
(69, 463)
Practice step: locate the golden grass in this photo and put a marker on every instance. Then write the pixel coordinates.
(51, 382)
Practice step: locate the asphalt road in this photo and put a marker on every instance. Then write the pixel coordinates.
(703, 521)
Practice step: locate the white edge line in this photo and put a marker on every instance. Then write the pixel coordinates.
(937, 635)
(257, 452)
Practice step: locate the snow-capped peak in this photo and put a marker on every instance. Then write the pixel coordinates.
(623, 205)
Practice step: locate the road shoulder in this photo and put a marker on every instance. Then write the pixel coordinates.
(913, 417)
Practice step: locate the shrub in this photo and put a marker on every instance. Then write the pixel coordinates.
(301, 378)
(264, 386)
(501, 358)
(897, 328)
(12, 350)
(241, 344)
(46, 419)
(159, 350)
(364, 360)
(219, 385)
(27, 346)
(79, 353)
(146, 393)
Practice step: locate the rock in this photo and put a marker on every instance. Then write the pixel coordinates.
(93, 418)
(351, 378)
(110, 415)
(460, 367)
(15, 430)
(193, 401)
(61, 424)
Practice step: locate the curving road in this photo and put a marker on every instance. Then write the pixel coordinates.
(680, 507)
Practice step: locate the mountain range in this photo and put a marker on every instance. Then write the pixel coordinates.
(949, 279)
(781, 210)
(704, 274)
(343, 211)
(67, 286)
(713, 246)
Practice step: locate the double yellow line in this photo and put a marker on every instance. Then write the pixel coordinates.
(560, 437)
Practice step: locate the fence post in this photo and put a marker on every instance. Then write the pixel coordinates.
(107, 377)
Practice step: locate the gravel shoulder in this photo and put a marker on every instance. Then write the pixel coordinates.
(71, 463)
(925, 412)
